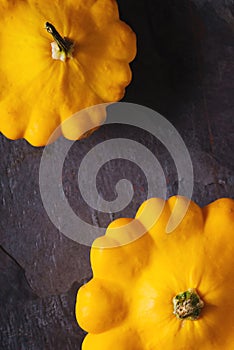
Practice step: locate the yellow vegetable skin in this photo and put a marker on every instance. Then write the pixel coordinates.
(43, 80)
(162, 291)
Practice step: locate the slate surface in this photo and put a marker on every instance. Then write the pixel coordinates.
(184, 70)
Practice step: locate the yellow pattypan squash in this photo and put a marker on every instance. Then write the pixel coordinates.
(171, 291)
(57, 58)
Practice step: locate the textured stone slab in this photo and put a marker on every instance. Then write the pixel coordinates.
(184, 70)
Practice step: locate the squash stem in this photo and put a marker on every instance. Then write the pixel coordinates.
(64, 45)
(188, 305)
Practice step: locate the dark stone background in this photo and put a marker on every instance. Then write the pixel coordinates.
(184, 70)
